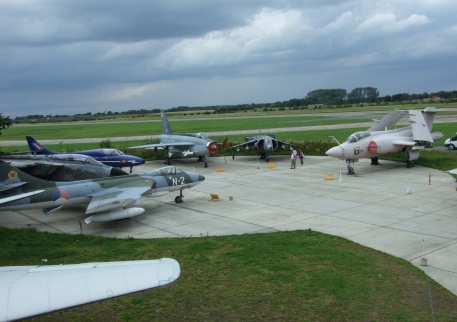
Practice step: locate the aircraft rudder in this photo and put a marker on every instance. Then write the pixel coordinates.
(166, 128)
(10, 174)
(429, 116)
(36, 147)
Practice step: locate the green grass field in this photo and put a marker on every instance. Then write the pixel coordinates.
(286, 276)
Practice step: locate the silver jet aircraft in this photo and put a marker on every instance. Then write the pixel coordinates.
(106, 198)
(380, 139)
(264, 144)
(182, 145)
(61, 167)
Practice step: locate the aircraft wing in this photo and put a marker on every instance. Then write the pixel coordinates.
(421, 131)
(162, 145)
(403, 142)
(284, 143)
(9, 186)
(32, 290)
(118, 197)
(248, 143)
(20, 196)
(388, 121)
(29, 165)
(20, 164)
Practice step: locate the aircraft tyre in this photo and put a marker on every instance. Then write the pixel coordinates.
(178, 199)
(350, 170)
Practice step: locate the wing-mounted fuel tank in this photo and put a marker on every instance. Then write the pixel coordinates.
(115, 215)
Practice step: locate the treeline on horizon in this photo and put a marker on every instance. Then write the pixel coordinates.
(316, 98)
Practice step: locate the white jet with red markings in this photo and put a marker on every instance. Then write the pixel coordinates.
(381, 139)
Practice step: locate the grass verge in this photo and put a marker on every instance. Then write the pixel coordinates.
(284, 276)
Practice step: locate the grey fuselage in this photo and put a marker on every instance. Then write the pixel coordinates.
(53, 194)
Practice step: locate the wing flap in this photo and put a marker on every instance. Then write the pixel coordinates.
(249, 143)
(31, 290)
(118, 197)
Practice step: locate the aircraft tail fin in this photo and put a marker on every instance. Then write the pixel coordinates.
(166, 128)
(11, 177)
(420, 124)
(429, 116)
(36, 147)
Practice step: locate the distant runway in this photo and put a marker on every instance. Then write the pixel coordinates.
(341, 116)
(408, 213)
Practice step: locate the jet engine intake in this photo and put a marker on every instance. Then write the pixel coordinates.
(260, 144)
(266, 144)
(213, 147)
(372, 147)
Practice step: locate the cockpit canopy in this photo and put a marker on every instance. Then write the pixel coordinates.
(170, 170)
(202, 135)
(75, 158)
(357, 136)
(112, 152)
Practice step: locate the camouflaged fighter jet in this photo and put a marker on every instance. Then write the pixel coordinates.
(264, 144)
(61, 167)
(182, 145)
(379, 139)
(107, 198)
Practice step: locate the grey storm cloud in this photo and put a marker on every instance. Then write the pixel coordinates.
(91, 56)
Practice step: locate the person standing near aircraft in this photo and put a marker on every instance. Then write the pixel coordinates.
(293, 158)
(301, 156)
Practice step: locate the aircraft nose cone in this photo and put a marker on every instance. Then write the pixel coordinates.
(336, 152)
(195, 177)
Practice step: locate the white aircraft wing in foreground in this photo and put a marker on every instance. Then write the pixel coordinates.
(32, 290)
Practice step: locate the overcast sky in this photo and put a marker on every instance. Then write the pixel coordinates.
(66, 57)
